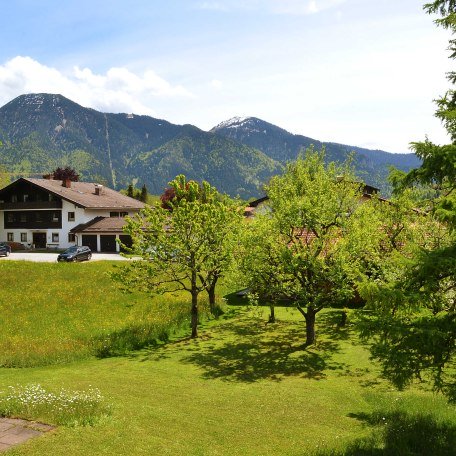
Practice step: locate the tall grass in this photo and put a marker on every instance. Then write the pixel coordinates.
(56, 313)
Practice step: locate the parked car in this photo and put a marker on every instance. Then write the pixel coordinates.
(76, 253)
(5, 249)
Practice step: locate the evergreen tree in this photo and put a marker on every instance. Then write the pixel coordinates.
(143, 195)
(414, 324)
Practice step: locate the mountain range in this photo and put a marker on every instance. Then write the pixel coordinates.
(39, 132)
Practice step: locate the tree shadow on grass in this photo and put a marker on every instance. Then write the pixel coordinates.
(150, 336)
(400, 433)
(248, 351)
(331, 325)
(122, 341)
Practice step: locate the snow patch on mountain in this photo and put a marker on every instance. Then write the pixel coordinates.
(234, 122)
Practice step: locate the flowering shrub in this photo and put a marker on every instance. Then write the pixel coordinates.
(69, 408)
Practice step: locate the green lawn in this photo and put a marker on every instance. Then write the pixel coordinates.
(244, 388)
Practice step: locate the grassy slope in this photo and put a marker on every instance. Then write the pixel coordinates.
(51, 313)
(243, 388)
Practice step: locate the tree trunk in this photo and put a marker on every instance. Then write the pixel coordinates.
(194, 292)
(194, 314)
(272, 314)
(310, 326)
(309, 314)
(343, 318)
(211, 293)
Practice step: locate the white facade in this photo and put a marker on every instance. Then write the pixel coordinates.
(56, 215)
(55, 237)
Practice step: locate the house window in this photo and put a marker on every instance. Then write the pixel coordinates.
(10, 237)
(71, 216)
(23, 217)
(55, 216)
(55, 237)
(14, 198)
(10, 217)
(123, 214)
(26, 198)
(38, 217)
(23, 237)
(113, 214)
(71, 237)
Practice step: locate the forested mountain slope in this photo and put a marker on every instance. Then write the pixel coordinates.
(39, 132)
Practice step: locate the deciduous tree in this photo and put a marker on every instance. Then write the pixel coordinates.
(66, 173)
(295, 253)
(181, 249)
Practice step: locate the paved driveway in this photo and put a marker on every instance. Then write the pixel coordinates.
(51, 257)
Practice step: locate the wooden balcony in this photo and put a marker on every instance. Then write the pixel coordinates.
(21, 205)
(34, 225)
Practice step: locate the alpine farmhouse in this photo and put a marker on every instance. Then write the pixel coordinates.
(47, 213)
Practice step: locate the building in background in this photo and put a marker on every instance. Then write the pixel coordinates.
(47, 213)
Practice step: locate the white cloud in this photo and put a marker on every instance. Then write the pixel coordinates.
(216, 84)
(312, 7)
(119, 90)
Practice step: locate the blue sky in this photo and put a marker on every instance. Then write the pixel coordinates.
(358, 72)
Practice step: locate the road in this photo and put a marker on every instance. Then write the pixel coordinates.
(52, 257)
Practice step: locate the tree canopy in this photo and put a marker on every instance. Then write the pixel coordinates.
(294, 251)
(140, 195)
(182, 249)
(66, 173)
(414, 298)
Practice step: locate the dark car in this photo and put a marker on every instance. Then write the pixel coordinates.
(76, 253)
(5, 249)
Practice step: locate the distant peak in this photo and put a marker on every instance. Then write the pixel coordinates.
(37, 100)
(39, 97)
(234, 122)
(41, 101)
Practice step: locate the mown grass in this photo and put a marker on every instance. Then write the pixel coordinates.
(54, 313)
(244, 388)
(404, 431)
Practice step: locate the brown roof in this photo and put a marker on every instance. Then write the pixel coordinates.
(258, 201)
(368, 192)
(101, 225)
(83, 194)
